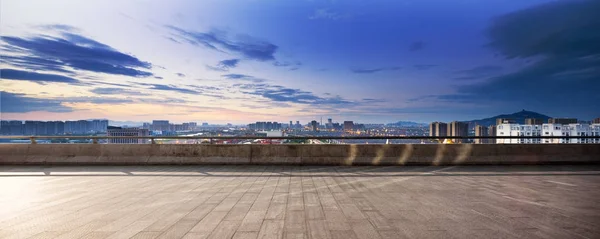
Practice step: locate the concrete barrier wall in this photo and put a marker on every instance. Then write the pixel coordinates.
(390, 154)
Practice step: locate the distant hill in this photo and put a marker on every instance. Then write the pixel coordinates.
(519, 117)
(407, 124)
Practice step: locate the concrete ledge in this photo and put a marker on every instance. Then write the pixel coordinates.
(391, 154)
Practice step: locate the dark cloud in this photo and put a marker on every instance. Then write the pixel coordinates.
(424, 67)
(374, 70)
(180, 74)
(416, 46)
(12, 74)
(19, 103)
(70, 51)
(158, 77)
(478, 72)
(116, 91)
(244, 45)
(563, 36)
(171, 88)
(224, 65)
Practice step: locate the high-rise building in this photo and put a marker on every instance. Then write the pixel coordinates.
(348, 125)
(534, 121)
(12, 127)
(30, 127)
(562, 121)
(314, 125)
(119, 131)
(81, 127)
(458, 129)
(500, 121)
(481, 130)
(491, 132)
(291, 126)
(161, 125)
(438, 129)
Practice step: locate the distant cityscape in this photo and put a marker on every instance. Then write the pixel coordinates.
(502, 127)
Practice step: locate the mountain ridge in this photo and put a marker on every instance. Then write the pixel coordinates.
(518, 117)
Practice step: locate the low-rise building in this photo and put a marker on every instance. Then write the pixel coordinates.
(119, 131)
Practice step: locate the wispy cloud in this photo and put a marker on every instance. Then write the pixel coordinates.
(292, 66)
(374, 70)
(245, 45)
(12, 74)
(279, 93)
(20, 103)
(325, 13)
(71, 51)
(224, 65)
(116, 91)
(424, 67)
(242, 77)
(171, 88)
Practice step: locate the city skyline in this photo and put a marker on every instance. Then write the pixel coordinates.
(245, 61)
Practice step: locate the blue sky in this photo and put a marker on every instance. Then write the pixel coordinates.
(242, 61)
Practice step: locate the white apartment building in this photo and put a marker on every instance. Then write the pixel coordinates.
(508, 129)
(554, 130)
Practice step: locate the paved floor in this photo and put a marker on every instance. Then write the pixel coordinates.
(300, 202)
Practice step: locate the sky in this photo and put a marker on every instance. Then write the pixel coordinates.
(225, 61)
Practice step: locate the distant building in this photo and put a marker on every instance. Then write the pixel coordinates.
(265, 126)
(348, 125)
(534, 121)
(518, 130)
(314, 125)
(596, 121)
(481, 130)
(438, 129)
(119, 131)
(336, 126)
(458, 129)
(571, 130)
(11, 127)
(162, 125)
(562, 121)
(500, 121)
(491, 132)
(204, 124)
